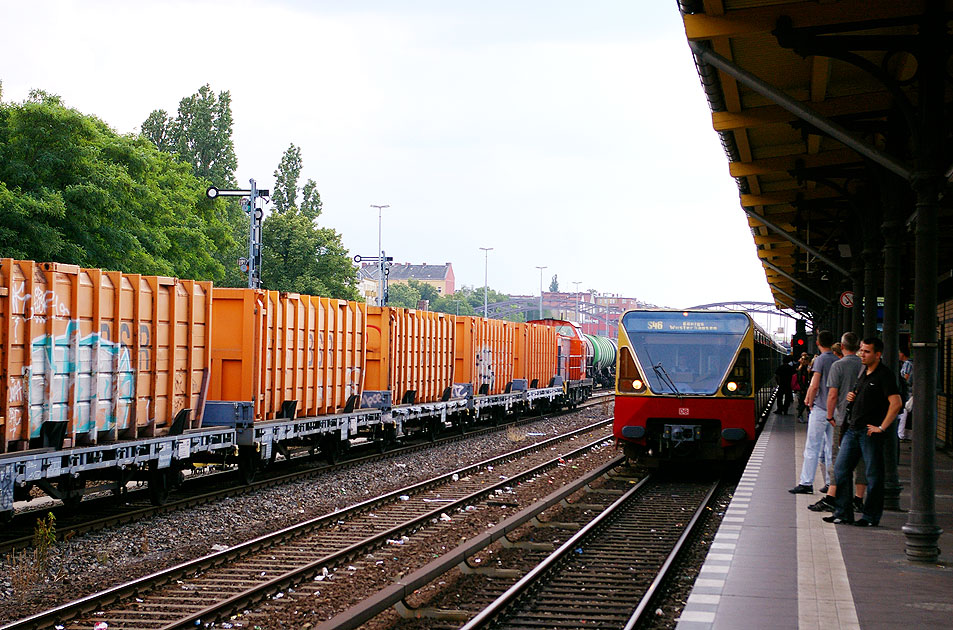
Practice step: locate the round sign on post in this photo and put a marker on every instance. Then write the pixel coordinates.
(847, 299)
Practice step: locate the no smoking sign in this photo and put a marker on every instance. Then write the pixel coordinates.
(847, 299)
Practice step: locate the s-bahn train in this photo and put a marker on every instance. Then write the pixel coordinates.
(110, 377)
(692, 385)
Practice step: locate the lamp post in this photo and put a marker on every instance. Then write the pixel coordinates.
(577, 301)
(541, 290)
(380, 253)
(486, 262)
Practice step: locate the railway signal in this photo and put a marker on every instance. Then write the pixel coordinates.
(252, 264)
(383, 267)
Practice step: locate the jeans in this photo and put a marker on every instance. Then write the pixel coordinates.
(820, 435)
(784, 399)
(858, 444)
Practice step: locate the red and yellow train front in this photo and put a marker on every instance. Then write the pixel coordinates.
(685, 385)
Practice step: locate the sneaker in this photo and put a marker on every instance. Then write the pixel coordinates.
(858, 504)
(862, 522)
(837, 520)
(802, 489)
(826, 504)
(801, 420)
(825, 489)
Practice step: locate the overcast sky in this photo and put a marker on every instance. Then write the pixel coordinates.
(568, 134)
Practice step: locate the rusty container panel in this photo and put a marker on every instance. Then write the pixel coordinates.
(410, 350)
(535, 353)
(273, 348)
(485, 355)
(102, 355)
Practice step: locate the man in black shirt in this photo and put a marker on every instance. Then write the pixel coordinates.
(783, 374)
(873, 405)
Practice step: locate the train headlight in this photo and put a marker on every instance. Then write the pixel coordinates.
(732, 386)
(637, 384)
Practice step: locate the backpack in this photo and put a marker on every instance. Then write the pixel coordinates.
(795, 383)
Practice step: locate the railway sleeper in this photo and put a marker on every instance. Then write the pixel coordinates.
(407, 611)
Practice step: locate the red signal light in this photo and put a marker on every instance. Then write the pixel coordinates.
(800, 342)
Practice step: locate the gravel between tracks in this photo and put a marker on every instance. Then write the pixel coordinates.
(98, 560)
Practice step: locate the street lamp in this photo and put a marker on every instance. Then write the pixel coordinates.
(380, 253)
(541, 290)
(486, 262)
(577, 299)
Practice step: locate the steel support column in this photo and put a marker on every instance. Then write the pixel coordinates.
(857, 313)
(921, 529)
(870, 289)
(892, 226)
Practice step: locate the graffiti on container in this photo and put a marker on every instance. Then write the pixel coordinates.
(41, 303)
(484, 367)
(98, 370)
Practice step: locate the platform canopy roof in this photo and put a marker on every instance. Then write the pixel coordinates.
(816, 104)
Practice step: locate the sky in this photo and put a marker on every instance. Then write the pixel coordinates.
(565, 134)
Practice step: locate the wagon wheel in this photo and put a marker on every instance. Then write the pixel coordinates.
(247, 464)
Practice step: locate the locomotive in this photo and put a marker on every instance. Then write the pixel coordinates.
(113, 377)
(691, 385)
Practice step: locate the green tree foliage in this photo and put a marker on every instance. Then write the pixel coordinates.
(285, 191)
(73, 190)
(402, 295)
(201, 135)
(297, 255)
(554, 284)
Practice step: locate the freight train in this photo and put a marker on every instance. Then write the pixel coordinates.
(692, 385)
(110, 377)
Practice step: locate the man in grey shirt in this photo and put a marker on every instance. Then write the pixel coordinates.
(840, 381)
(820, 434)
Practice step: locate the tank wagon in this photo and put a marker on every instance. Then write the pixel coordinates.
(691, 385)
(600, 359)
(114, 377)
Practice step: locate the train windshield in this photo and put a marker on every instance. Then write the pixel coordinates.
(685, 352)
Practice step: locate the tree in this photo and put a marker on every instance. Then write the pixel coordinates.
(402, 295)
(73, 190)
(201, 136)
(285, 190)
(297, 255)
(554, 284)
(427, 291)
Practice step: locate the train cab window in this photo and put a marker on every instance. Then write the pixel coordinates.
(685, 352)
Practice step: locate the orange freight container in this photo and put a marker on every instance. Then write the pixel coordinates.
(535, 356)
(484, 353)
(409, 350)
(97, 355)
(271, 347)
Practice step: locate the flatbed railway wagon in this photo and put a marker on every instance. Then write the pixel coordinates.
(109, 377)
(692, 385)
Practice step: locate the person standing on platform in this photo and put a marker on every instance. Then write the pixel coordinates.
(783, 376)
(841, 381)
(838, 349)
(874, 405)
(799, 384)
(820, 433)
(904, 424)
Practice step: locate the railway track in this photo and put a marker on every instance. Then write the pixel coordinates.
(219, 584)
(98, 513)
(603, 576)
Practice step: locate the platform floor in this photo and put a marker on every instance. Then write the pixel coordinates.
(776, 564)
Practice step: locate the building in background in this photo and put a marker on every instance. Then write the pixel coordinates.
(439, 277)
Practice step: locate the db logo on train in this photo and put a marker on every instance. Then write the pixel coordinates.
(683, 411)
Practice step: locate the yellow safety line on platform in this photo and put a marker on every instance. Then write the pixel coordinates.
(824, 598)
